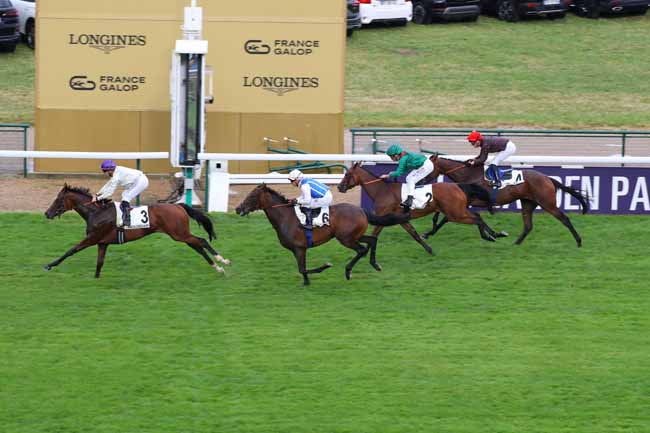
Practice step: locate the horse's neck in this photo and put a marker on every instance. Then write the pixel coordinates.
(373, 189)
(468, 174)
(80, 205)
(279, 217)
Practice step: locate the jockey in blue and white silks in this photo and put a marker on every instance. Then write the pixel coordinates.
(314, 194)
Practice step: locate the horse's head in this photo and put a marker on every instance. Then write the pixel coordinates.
(65, 200)
(258, 198)
(351, 178)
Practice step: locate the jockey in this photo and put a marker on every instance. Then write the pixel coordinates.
(313, 195)
(419, 166)
(134, 182)
(504, 146)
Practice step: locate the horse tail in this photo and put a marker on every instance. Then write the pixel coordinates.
(579, 195)
(473, 191)
(202, 219)
(390, 219)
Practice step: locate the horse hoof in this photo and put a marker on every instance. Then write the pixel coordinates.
(328, 265)
(504, 234)
(347, 274)
(47, 268)
(425, 236)
(377, 267)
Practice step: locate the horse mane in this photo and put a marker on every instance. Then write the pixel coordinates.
(276, 194)
(358, 165)
(77, 189)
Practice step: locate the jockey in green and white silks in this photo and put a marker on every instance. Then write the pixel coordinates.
(314, 194)
(419, 166)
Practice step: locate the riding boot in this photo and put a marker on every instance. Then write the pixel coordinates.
(126, 216)
(308, 219)
(496, 176)
(408, 202)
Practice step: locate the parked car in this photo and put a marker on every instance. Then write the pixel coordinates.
(397, 12)
(354, 17)
(425, 11)
(513, 10)
(27, 15)
(594, 8)
(9, 35)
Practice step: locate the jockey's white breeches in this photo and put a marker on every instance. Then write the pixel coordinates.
(505, 153)
(140, 185)
(417, 175)
(325, 200)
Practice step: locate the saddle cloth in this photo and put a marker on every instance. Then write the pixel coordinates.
(508, 177)
(320, 220)
(139, 217)
(422, 197)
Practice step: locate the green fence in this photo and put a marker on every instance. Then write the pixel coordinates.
(11, 128)
(376, 135)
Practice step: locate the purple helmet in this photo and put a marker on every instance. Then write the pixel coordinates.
(108, 165)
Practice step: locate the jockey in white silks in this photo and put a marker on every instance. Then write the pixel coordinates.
(314, 194)
(133, 181)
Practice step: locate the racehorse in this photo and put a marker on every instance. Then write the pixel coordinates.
(101, 229)
(536, 189)
(448, 198)
(348, 224)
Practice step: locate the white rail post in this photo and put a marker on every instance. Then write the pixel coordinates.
(219, 186)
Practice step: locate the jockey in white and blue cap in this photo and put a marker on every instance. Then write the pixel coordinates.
(314, 194)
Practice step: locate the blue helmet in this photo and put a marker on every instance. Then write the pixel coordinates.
(108, 165)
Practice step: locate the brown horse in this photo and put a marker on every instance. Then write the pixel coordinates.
(537, 189)
(101, 229)
(348, 223)
(448, 198)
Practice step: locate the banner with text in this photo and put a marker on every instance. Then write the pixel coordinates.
(611, 190)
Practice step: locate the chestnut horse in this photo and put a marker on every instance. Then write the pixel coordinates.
(537, 189)
(448, 198)
(102, 231)
(348, 224)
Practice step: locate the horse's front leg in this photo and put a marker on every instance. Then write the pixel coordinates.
(101, 253)
(87, 242)
(414, 234)
(301, 259)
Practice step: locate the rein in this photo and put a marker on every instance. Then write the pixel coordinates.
(373, 181)
(282, 205)
(455, 169)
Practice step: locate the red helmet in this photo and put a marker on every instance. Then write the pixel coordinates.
(474, 136)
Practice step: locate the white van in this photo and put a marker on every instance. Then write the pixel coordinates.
(392, 11)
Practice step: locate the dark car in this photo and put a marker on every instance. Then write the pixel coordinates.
(594, 8)
(9, 35)
(514, 10)
(354, 17)
(425, 11)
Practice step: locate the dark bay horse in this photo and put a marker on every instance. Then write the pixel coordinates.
(448, 198)
(537, 189)
(101, 230)
(348, 224)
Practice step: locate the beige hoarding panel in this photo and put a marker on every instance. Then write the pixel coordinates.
(272, 68)
(104, 65)
(84, 131)
(154, 137)
(224, 135)
(314, 133)
(213, 9)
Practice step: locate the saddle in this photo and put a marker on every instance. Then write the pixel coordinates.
(319, 216)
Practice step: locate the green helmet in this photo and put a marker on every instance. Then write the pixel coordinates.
(394, 149)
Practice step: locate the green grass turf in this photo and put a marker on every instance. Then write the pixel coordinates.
(483, 337)
(17, 87)
(572, 73)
